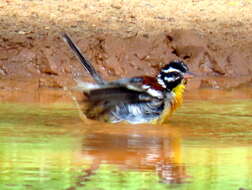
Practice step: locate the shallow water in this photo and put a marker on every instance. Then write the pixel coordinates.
(206, 145)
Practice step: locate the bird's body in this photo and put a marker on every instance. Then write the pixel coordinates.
(142, 99)
(127, 100)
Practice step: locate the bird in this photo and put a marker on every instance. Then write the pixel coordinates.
(136, 100)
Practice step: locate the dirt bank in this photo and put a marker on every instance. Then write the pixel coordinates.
(124, 38)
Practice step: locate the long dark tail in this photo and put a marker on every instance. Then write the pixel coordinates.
(85, 63)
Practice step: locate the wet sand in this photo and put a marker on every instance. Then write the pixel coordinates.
(59, 96)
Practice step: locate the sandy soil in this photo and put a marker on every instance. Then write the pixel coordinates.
(125, 38)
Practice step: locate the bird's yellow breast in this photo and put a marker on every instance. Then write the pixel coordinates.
(178, 96)
(171, 106)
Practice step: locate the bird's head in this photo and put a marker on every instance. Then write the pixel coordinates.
(174, 74)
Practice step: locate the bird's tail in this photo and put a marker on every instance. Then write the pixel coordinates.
(85, 63)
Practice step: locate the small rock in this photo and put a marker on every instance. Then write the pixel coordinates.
(115, 6)
(160, 17)
(146, 35)
(21, 32)
(3, 71)
(171, 19)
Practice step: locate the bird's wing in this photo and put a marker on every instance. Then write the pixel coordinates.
(102, 100)
(127, 89)
(129, 95)
(118, 94)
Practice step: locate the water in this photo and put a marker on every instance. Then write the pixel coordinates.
(206, 145)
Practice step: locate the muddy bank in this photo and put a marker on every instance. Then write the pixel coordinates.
(46, 61)
(123, 40)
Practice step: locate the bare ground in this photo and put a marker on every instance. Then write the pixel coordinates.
(125, 38)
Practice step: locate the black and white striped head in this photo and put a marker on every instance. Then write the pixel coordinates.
(172, 74)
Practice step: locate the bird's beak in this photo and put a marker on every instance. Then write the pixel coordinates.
(189, 75)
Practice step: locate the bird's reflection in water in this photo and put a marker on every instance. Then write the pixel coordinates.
(157, 150)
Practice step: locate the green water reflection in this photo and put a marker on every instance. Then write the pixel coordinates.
(205, 146)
